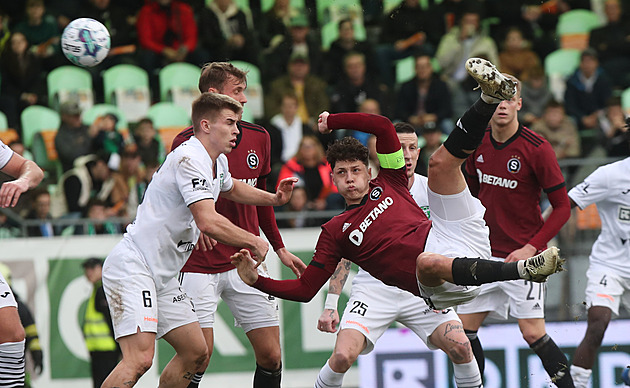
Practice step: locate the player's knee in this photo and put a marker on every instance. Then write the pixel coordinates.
(428, 264)
(140, 363)
(460, 352)
(531, 336)
(342, 360)
(271, 360)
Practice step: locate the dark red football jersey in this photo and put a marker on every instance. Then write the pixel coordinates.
(249, 161)
(383, 235)
(510, 177)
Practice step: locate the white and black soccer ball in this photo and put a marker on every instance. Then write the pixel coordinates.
(85, 42)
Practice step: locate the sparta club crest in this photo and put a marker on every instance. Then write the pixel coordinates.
(514, 164)
(252, 160)
(376, 193)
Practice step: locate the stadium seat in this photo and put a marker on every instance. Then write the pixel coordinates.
(625, 101)
(4, 125)
(406, 69)
(330, 32)
(254, 107)
(97, 110)
(560, 65)
(295, 4)
(574, 27)
(37, 118)
(45, 152)
(127, 87)
(167, 134)
(178, 75)
(69, 82)
(166, 114)
(335, 10)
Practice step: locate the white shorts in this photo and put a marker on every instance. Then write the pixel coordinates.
(6, 295)
(374, 306)
(251, 308)
(521, 298)
(606, 289)
(134, 302)
(458, 230)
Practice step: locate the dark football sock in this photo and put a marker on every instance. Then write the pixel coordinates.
(264, 378)
(194, 383)
(475, 344)
(470, 129)
(554, 361)
(475, 272)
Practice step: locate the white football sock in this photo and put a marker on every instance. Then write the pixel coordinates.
(467, 375)
(328, 378)
(580, 376)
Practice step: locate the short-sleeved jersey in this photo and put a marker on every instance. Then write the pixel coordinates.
(418, 192)
(164, 229)
(5, 154)
(609, 188)
(249, 161)
(511, 176)
(384, 234)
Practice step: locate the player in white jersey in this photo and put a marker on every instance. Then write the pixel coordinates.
(608, 275)
(139, 275)
(28, 175)
(374, 306)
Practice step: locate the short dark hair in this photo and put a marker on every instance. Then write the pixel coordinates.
(346, 149)
(92, 262)
(214, 75)
(553, 103)
(403, 127)
(208, 105)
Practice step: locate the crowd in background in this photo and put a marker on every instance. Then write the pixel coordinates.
(105, 174)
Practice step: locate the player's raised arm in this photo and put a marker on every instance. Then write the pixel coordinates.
(380, 126)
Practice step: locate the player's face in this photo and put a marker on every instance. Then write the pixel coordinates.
(223, 130)
(233, 88)
(409, 143)
(506, 112)
(352, 180)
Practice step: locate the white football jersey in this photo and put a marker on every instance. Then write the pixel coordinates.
(608, 188)
(164, 229)
(5, 154)
(419, 193)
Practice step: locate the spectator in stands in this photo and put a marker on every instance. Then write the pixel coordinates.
(425, 98)
(20, 70)
(105, 136)
(310, 166)
(404, 33)
(369, 106)
(8, 229)
(40, 29)
(275, 24)
(286, 130)
(150, 147)
(98, 213)
(535, 95)
(517, 58)
(432, 138)
(167, 33)
(342, 47)
(585, 98)
(444, 15)
(73, 137)
(226, 32)
(612, 42)
(5, 33)
(309, 89)
(350, 92)
(129, 182)
(616, 130)
(40, 211)
(298, 203)
(559, 130)
(90, 178)
(539, 25)
(299, 43)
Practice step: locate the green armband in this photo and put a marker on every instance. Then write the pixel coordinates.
(393, 161)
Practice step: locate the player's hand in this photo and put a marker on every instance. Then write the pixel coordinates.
(292, 261)
(322, 123)
(259, 251)
(328, 321)
(205, 243)
(522, 253)
(244, 264)
(38, 360)
(285, 189)
(10, 192)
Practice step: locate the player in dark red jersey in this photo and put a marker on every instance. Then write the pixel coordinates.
(507, 172)
(208, 275)
(387, 234)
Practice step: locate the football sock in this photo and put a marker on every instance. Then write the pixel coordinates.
(475, 344)
(265, 378)
(475, 272)
(470, 129)
(467, 375)
(194, 383)
(12, 364)
(554, 361)
(580, 376)
(328, 378)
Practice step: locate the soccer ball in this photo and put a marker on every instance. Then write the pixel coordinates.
(85, 42)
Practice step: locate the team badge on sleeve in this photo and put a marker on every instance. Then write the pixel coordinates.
(252, 160)
(376, 193)
(514, 164)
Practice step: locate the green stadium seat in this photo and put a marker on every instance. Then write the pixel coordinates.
(178, 75)
(559, 65)
(335, 10)
(127, 87)
(167, 114)
(406, 69)
(625, 100)
(88, 116)
(330, 32)
(69, 82)
(4, 125)
(574, 27)
(254, 107)
(37, 118)
(295, 4)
